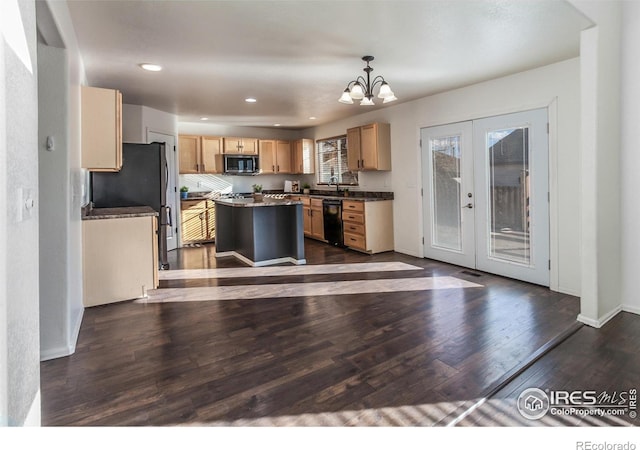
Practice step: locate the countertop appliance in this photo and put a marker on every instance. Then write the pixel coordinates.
(142, 181)
(332, 215)
(241, 164)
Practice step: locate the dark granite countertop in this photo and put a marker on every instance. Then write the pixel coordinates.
(250, 203)
(117, 213)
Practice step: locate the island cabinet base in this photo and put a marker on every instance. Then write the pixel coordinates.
(260, 235)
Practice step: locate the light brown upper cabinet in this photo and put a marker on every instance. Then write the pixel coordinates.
(247, 146)
(275, 156)
(303, 156)
(211, 160)
(369, 147)
(101, 117)
(200, 154)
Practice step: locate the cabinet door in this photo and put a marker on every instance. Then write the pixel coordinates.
(296, 156)
(249, 146)
(375, 147)
(232, 144)
(317, 221)
(194, 220)
(368, 147)
(306, 220)
(101, 129)
(189, 148)
(267, 156)
(211, 156)
(353, 149)
(308, 157)
(283, 156)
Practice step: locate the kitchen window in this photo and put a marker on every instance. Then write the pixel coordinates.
(332, 162)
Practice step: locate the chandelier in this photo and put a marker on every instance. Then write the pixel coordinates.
(361, 89)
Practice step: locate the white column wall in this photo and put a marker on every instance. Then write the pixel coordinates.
(601, 156)
(630, 159)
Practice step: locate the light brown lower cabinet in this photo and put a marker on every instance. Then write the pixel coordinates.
(198, 221)
(368, 226)
(119, 259)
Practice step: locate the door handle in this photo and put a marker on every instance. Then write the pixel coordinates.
(468, 205)
(168, 211)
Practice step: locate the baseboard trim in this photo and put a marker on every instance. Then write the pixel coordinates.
(598, 323)
(70, 348)
(75, 331)
(34, 416)
(267, 262)
(631, 309)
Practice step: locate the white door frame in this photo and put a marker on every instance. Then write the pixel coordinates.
(552, 130)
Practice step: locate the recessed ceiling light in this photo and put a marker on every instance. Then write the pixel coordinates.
(204, 118)
(250, 100)
(312, 118)
(276, 124)
(151, 67)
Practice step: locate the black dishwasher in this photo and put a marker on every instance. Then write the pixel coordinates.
(332, 214)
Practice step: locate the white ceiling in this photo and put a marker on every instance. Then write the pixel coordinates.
(296, 57)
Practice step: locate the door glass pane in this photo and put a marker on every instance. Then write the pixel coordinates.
(447, 225)
(509, 193)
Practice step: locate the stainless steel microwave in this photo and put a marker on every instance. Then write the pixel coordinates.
(241, 164)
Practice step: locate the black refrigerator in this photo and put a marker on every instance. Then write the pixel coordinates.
(142, 181)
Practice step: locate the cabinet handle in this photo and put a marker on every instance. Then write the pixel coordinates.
(273, 168)
(278, 168)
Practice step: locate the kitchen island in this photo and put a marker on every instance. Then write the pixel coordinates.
(260, 233)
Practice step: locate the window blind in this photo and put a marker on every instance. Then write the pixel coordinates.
(332, 161)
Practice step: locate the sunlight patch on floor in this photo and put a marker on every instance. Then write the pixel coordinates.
(333, 288)
(278, 271)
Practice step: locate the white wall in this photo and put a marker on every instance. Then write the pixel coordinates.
(54, 188)
(132, 128)
(600, 163)
(630, 159)
(556, 85)
(19, 344)
(137, 120)
(5, 258)
(59, 338)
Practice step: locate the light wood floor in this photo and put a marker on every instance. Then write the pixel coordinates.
(394, 358)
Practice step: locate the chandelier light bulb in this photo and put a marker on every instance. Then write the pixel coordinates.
(356, 92)
(346, 98)
(385, 90)
(367, 101)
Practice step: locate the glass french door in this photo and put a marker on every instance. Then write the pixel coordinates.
(486, 195)
(447, 193)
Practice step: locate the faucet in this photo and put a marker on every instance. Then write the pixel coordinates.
(331, 181)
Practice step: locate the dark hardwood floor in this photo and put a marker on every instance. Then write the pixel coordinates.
(399, 358)
(599, 360)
